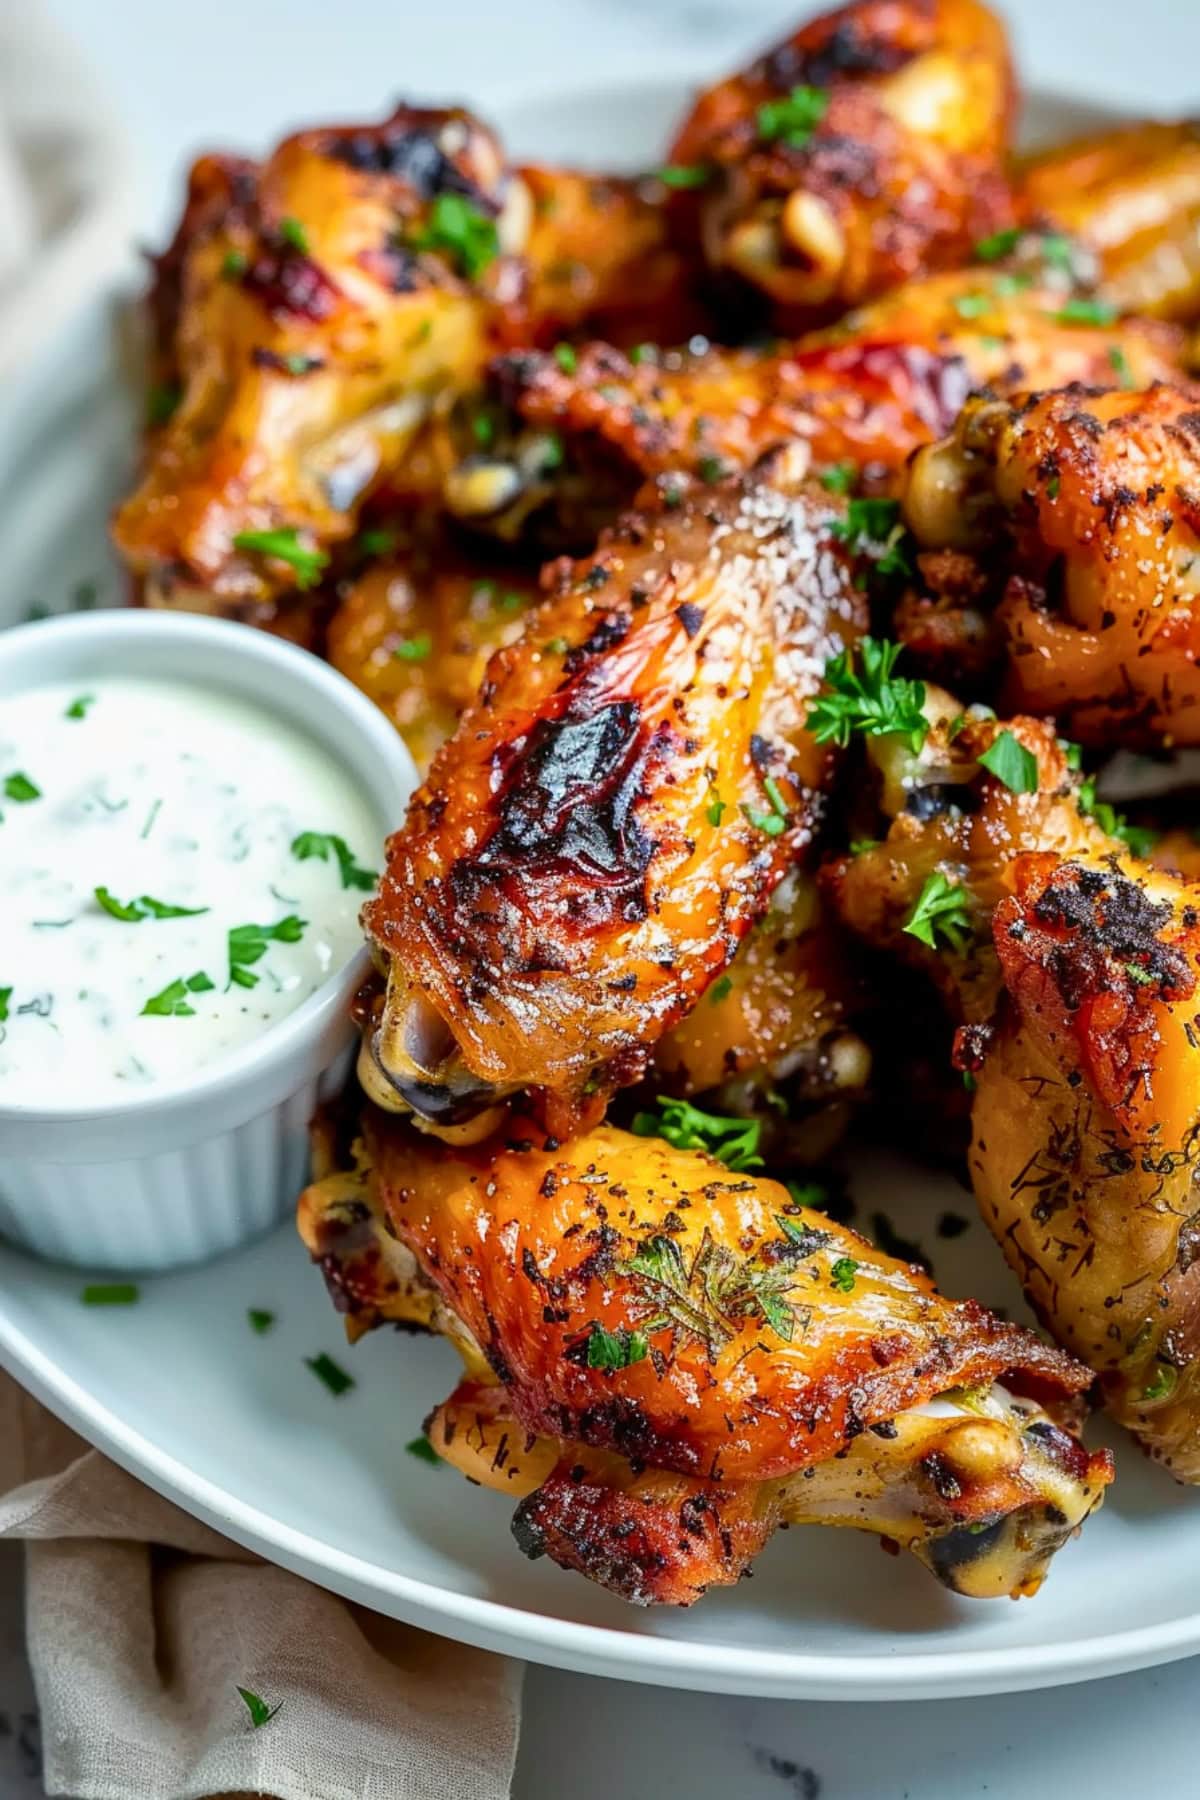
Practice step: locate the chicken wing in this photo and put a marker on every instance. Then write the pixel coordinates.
(667, 1360)
(570, 436)
(1086, 1129)
(613, 814)
(1079, 512)
(863, 150)
(327, 304)
(1130, 199)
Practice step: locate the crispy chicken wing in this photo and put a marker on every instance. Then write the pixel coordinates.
(1130, 198)
(1081, 512)
(1086, 1129)
(323, 307)
(613, 814)
(653, 1343)
(863, 150)
(570, 436)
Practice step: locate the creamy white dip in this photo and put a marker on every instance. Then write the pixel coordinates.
(237, 850)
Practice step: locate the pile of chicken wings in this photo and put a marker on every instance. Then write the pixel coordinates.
(764, 557)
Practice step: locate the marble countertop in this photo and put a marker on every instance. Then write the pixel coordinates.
(236, 71)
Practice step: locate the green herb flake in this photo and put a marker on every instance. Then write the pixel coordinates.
(712, 469)
(973, 306)
(234, 265)
(553, 452)
(330, 1373)
(841, 1275)
(616, 1349)
(413, 649)
(643, 353)
(683, 175)
(294, 235)
(111, 1293)
(774, 822)
(839, 478)
(716, 809)
(1162, 1385)
(792, 121)
(871, 699)
(565, 357)
(248, 944)
(999, 245)
(259, 1320)
(285, 546)
(733, 1141)
(462, 232)
(860, 846)
(556, 646)
(720, 990)
(1054, 487)
(170, 1002)
(78, 708)
(423, 1450)
(377, 541)
(322, 845)
(1010, 762)
(941, 910)
(162, 403)
(18, 787)
(132, 912)
(5, 997)
(483, 429)
(1119, 364)
(260, 1713)
(1086, 312)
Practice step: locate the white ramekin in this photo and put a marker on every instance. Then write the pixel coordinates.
(195, 1167)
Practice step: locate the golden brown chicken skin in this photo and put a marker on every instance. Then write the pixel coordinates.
(342, 294)
(415, 628)
(865, 149)
(571, 435)
(1086, 1128)
(1130, 200)
(653, 1343)
(613, 814)
(1082, 510)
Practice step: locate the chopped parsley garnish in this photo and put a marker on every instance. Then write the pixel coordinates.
(285, 546)
(332, 1374)
(792, 121)
(875, 526)
(941, 910)
(999, 245)
(483, 429)
(872, 700)
(1010, 762)
(732, 1141)
(1119, 364)
(467, 235)
(294, 235)
(1054, 487)
(248, 944)
(234, 264)
(556, 646)
(643, 353)
(774, 822)
(1138, 839)
(683, 175)
(839, 478)
(973, 306)
(841, 1276)
(1140, 976)
(377, 541)
(423, 1450)
(553, 451)
(616, 1349)
(111, 1293)
(259, 1320)
(5, 997)
(1086, 312)
(260, 1712)
(711, 469)
(859, 846)
(565, 357)
(78, 708)
(323, 845)
(132, 912)
(720, 990)
(1162, 1385)
(715, 810)
(707, 1299)
(18, 787)
(172, 1001)
(413, 649)
(162, 403)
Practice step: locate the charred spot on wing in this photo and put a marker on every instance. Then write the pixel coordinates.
(1110, 914)
(410, 152)
(567, 802)
(289, 283)
(849, 50)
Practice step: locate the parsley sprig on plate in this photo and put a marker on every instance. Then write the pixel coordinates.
(870, 699)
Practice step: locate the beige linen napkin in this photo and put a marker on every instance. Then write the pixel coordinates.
(142, 1623)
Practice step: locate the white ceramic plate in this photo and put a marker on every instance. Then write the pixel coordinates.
(234, 1427)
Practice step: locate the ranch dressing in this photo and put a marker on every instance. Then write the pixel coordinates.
(232, 854)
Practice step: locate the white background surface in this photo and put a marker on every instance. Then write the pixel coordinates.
(236, 73)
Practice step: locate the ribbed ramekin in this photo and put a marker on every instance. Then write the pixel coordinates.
(196, 1167)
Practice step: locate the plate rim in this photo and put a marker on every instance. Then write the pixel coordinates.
(559, 1642)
